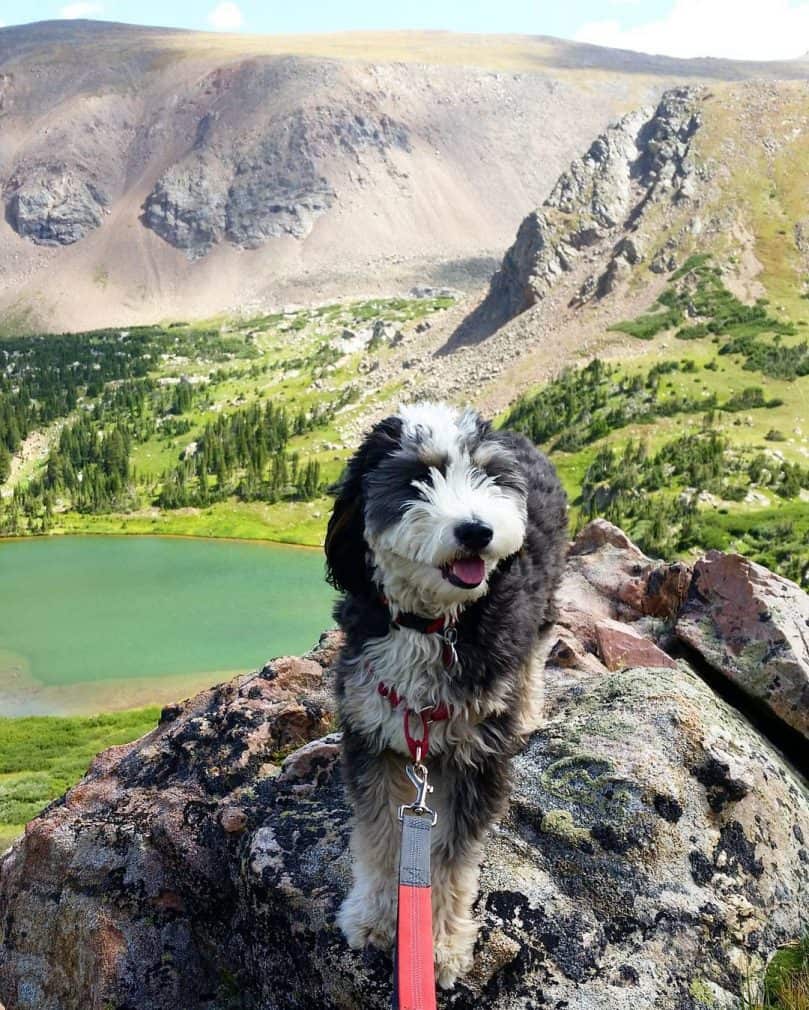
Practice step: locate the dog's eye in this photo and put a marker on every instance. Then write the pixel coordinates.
(435, 461)
(389, 488)
(399, 473)
(422, 475)
(501, 467)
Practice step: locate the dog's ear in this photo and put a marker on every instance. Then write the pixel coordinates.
(346, 548)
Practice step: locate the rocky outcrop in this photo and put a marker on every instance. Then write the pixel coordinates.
(654, 852)
(54, 206)
(6, 91)
(596, 208)
(248, 196)
(752, 626)
(187, 208)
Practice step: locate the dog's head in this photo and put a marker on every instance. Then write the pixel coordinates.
(428, 506)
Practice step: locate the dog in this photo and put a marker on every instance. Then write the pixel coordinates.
(447, 540)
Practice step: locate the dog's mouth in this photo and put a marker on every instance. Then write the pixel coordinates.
(465, 573)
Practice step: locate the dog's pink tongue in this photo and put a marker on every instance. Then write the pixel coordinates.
(470, 571)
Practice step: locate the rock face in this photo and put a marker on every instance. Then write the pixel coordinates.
(653, 854)
(158, 827)
(55, 207)
(638, 162)
(247, 195)
(752, 626)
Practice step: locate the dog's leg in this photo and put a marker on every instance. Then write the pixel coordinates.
(533, 701)
(469, 800)
(455, 887)
(377, 786)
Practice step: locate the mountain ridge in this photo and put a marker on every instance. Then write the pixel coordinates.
(150, 174)
(412, 44)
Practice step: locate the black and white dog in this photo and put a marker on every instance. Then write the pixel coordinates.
(447, 539)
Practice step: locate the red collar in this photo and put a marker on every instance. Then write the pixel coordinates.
(443, 626)
(426, 625)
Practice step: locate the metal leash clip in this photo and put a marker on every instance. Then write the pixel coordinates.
(417, 773)
(449, 636)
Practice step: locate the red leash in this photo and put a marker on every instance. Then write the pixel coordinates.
(414, 965)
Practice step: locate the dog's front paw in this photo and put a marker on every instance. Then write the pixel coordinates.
(365, 921)
(454, 956)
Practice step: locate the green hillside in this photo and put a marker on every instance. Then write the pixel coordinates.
(225, 428)
(691, 450)
(230, 429)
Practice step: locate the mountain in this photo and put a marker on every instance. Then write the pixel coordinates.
(647, 328)
(152, 173)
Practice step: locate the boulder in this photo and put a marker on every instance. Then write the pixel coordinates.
(623, 876)
(654, 846)
(115, 895)
(607, 577)
(654, 852)
(752, 626)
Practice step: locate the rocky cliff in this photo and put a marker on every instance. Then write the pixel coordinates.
(654, 854)
(600, 212)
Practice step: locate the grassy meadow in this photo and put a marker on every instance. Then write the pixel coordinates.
(42, 756)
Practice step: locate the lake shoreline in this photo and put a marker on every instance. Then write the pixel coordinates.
(124, 534)
(106, 622)
(24, 697)
(298, 523)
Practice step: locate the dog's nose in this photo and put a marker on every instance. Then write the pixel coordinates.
(474, 535)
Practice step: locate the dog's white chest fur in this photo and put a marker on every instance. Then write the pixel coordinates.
(412, 663)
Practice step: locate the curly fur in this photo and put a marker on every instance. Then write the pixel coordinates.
(392, 539)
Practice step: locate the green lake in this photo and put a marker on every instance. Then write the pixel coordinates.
(95, 623)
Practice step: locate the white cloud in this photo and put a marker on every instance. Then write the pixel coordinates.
(226, 17)
(81, 10)
(774, 30)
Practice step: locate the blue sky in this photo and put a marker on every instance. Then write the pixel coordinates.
(743, 29)
(543, 17)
